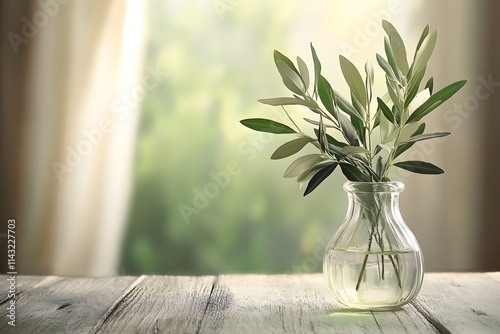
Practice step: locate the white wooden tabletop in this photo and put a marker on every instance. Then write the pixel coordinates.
(447, 303)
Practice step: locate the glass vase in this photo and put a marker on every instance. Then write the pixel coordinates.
(373, 261)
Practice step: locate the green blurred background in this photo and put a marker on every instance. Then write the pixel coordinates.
(219, 58)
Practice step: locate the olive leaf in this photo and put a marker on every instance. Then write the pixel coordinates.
(386, 67)
(426, 136)
(331, 140)
(370, 77)
(304, 72)
(413, 87)
(424, 53)
(313, 122)
(391, 60)
(419, 167)
(397, 46)
(436, 100)
(398, 114)
(386, 111)
(279, 57)
(302, 164)
(285, 101)
(266, 125)
(346, 106)
(430, 85)
(290, 78)
(352, 173)
(405, 146)
(317, 68)
(319, 177)
(353, 79)
(326, 95)
(290, 148)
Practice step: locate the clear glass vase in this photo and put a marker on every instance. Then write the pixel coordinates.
(373, 261)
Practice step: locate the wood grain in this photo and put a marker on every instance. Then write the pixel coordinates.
(160, 304)
(63, 305)
(447, 303)
(462, 302)
(295, 304)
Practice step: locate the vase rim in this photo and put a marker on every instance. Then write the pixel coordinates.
(374, 187)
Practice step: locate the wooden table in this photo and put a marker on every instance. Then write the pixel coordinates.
(447, 303)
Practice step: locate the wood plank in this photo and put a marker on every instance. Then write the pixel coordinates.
(63, 305)
(494, 276)
(461, 302)
(160, 304)
(295, 303)
(23, 283)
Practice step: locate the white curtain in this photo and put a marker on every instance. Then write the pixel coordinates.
(75, 145)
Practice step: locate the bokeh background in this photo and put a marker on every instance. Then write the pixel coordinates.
(122, 151)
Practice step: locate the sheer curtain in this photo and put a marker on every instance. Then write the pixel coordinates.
(67, 134)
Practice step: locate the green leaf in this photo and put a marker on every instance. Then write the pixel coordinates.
(326, 96)
(331, 140)
(397, 46)
(386, 128)
(354, 150)
(413, 86)
(359, 127)
(323, 141)
(426, 136)
(348, 130)
(379, 167)
(337, 151)
(425, 32)
(317, 68)
(319, 177)
(419, 167)
(406, 132)
(285, 101)
(353, 79)
(385, 110)
(266, 125)
(302, 164)
(308, 174)
(404, 147)
(386, 67)
(370, 76)
(352, 173)
(436, 100)
(384, 147)
(430, 85)
(424, 53)
(290, 78)
(304, 72)
(357, 105)
(290, 148)
(390, 59)
(346, 106)
(313, 122)
(278, 56)
(393, 94)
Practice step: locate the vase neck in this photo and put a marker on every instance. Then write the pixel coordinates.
(373, 199)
